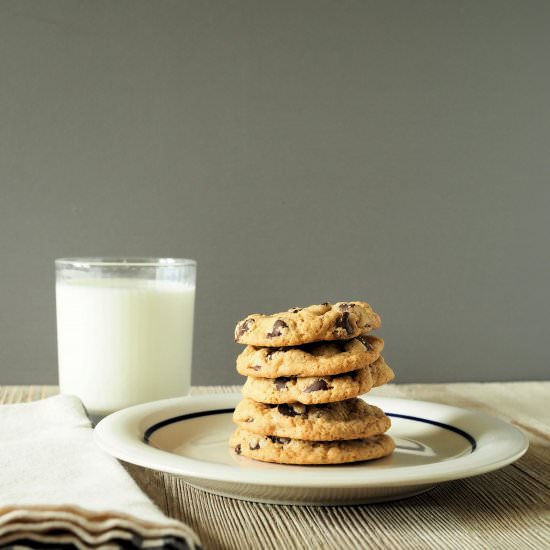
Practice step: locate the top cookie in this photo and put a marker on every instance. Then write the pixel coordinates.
(340, 321)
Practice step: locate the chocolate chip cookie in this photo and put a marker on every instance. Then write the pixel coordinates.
(284, 450)
(315, 359)
(323, 389)
(340, 321)
(349, 419)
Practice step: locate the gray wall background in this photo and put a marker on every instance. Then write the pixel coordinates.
(301, 151)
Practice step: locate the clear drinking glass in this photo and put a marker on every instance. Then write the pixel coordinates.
(124, 329)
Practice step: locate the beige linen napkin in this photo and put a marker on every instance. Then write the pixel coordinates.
(58, 488)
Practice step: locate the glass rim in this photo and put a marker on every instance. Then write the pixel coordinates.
(120, 261)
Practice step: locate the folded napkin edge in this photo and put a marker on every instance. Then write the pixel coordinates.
(94, 523)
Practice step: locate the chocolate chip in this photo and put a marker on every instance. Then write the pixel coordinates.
(343, 322)
(318, 385)
(255, 367)
(325, 304)
(295, 309)
(345, 307)
(244, 326)
(365, 342)
(278, 325)
(270, 353)
(281, 440)
(249, 419)
(280, 382)
(254, 447)
(286, 410)
(238, 449)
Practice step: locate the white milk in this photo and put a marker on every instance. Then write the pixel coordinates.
(124, 341)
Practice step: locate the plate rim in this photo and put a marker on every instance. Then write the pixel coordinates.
(112, 434)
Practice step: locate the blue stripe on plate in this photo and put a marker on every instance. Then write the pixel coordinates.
(471, 440)
(163, 423)
(152, 429)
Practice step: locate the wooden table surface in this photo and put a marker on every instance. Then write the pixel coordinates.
(509, 508)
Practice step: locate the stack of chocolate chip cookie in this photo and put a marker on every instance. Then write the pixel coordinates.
(305, 368)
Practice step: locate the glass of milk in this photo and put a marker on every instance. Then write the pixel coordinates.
(124, 329)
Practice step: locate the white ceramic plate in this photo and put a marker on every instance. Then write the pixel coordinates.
(188, 437)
